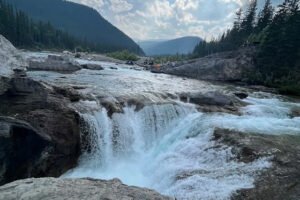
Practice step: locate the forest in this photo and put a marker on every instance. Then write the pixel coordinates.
(25, 32)
(274, 32)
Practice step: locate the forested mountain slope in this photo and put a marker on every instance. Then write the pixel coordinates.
(78, 20)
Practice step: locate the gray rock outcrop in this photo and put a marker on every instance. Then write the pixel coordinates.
(281, 181)
(41, 137)
(75, 189)
(92, 67)
(10, 61)
(10, 58)
(55, 63)
(214, 101)
(227, 66)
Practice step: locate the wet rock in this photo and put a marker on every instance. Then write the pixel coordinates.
(295, 112)
(77, 55)
(69, 93)
(211, 98)
(21, 147)
(55, 63)
(241, 95)
(115, 68)
(46, 114)
(129, 62)
(219, 109)
(214, 101)
(281, 181)
(139, 105)
(112, 105)
(92, 67)
(75, 189)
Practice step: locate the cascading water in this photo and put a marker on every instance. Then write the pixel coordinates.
(169, 148)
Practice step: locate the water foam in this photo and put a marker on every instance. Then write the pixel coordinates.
(169, 148)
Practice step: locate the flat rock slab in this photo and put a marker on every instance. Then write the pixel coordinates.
(75, 189)
(55, 63)
(282, 180)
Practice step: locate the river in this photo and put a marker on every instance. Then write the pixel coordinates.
(167, 144)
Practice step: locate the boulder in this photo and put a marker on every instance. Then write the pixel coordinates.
(68, 92)
(75, 189)
(11, 61)
(241, 95)
(55, 63)
(211, 98)
(112, 105)
(10, 58)
(92, 67)
(114, 68)
(295, 112)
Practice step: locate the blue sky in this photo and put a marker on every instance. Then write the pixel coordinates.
(168, 19)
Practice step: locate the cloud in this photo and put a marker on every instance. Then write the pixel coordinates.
(166, 19)
(118, 6)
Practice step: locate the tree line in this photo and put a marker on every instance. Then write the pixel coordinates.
(276, 34)
(24, 32)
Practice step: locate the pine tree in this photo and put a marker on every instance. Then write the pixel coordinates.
(265, 16)
(248, 22)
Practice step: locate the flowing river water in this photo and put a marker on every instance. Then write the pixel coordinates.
(167, 144)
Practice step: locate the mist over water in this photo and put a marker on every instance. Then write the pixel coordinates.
(169, 148)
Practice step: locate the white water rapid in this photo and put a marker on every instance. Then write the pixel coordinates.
(169, 148)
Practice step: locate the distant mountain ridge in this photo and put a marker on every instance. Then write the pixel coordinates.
(183, 45)
(78, 20)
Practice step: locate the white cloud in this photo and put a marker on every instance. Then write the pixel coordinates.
(165, 19)
(118, 6)
(96, 4)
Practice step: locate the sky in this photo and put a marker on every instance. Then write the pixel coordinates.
(169, 19)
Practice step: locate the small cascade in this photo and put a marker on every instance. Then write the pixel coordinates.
(168, 147)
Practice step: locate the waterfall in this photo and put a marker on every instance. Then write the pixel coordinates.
(168, 147)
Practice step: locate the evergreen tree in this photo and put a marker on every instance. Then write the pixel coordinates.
(248, 23)
(265, 16)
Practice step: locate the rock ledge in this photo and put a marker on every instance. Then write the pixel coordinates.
(75, 189)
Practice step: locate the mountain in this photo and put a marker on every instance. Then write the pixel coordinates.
(149, 43)
(182, 45)
(78, 20)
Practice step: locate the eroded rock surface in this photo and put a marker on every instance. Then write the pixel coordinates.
(228, 66)
(79, 189)
(50, 143)
(214, 101)
(279, 182)
(55, 63)
(21, 147)
(92, 66)
(10, 60)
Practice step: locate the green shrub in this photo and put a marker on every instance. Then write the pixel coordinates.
(290, 90)
(123, 55)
